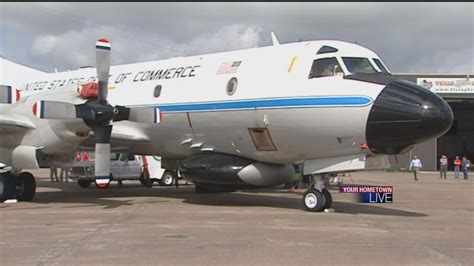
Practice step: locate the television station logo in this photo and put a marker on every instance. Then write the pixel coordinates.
(370, 194)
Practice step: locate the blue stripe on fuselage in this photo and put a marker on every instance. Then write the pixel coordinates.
(279, 103)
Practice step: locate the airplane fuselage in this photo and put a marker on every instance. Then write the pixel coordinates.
(276, 113)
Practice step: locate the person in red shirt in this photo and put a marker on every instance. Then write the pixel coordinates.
(85, 156)
(457, 166)
(78, 157)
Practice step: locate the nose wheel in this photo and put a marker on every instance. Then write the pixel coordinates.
(313, 200)
(317, 198)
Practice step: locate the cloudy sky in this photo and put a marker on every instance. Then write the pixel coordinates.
(409, 37)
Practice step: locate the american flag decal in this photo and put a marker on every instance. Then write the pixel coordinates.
(228, 67)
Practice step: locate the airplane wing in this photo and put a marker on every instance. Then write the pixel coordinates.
(123, 133)
(129, 133)
(10, 124)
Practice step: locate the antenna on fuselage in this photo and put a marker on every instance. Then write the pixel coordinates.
(274, 39)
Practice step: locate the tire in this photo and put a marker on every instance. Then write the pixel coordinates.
(84, 183)
(328, 199)
(313, 200)
(167, 179)
(144, 182)
(26, 187)
(2, 189)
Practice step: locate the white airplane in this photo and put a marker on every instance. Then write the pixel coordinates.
(227, 121)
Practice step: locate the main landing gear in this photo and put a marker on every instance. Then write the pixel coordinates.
(21, 187)
(317, 198)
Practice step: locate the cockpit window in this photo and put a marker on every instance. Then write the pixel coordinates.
(380, 65)
(325, 67)
(359, 65)
(326, 49)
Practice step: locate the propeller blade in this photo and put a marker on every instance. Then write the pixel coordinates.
(54, 110)
(146, 115)
(102, 55)
(102, 135)
(9, 95)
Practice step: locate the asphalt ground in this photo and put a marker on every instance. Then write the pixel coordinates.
(431, 222)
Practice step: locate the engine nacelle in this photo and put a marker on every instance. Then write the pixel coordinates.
(232, 171)
(30, 157)
(25, 157)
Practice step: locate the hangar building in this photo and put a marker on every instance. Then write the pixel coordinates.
(458, 91)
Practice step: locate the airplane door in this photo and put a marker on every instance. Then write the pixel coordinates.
(154, 167)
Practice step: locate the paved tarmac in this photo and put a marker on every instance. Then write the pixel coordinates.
(430, 222)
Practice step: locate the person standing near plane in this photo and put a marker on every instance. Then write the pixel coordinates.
(64, 174)
(443, 166)
(457, 167)
(53, 173)
(465, 167)
(416, 166)
(85, 157)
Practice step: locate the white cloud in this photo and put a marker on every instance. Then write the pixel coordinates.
(43, 45)
(227, 38)
(413, 37)
(230, 38)
(76, 48)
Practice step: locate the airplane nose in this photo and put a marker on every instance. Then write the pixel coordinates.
(405, 114)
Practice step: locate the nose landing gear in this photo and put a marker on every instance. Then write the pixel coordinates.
(317, 198)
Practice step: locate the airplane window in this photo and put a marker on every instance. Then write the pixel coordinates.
(380, 65)
(326, 49)
(231, 86)
(325, 67)
(359, 65)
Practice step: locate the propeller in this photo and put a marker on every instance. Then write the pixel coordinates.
(101, 124)
(9, 95)
(97, 113)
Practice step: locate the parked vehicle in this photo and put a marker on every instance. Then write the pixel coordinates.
(125, 166)
(158, 174)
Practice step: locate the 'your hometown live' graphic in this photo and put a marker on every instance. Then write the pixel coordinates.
(370, 194)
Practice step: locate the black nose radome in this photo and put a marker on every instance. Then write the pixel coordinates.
(405, 114)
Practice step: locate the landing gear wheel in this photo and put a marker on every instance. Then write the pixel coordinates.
(84, 183)
(328, 198)
(146, 182)
(25, 187)
(313, 200)
(167, 179)
(8, 183)
(2, 189)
